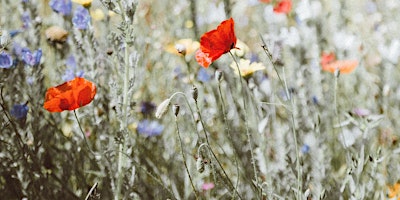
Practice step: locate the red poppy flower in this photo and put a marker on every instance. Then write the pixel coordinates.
(327, 58)
(215, 43)
(283, 6)
(70, 95)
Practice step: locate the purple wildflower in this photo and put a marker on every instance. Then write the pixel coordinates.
(5, 60)
(71, 72)
(26, 20)
(305, 149)
(30, 58)
(81, 18)
(19, 111)
(13, 33)
(63, 7)
(203, 75)
(149, 128)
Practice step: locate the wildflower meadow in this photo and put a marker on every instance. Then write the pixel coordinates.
(199, 99)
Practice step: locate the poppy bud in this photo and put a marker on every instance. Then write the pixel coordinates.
(195, 93)
(218, 75)
(200, 165)
(162, 108)
(181, 49)
(175, 109)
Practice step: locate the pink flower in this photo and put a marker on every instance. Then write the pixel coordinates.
(207, 186)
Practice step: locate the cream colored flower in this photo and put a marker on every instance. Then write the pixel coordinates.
(247, 69)
(97, 14)
(241, 49)
(188, 45)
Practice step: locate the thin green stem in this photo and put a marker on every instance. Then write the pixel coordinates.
(290, 97)
(299, 171)
(209, 146)
(230, 138)
(83, 134)
(188, 104)
(253, 161)
(335, 87)
(184, 157)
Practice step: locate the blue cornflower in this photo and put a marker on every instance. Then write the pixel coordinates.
(26, 20)
(63, 7)
(149, 128)
(81, 18)
(203, 75)
(30, 58)
(5, 60)
(13, 33)
(19, 111)
(71, 72)
(305, 149)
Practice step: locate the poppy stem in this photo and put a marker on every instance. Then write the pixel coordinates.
(289, 97)
(83, 133)
(230, 138)
(184, 158)
(253, 161)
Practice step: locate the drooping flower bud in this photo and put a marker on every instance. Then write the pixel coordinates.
(162, 108)
(218, 75)
(195, 93)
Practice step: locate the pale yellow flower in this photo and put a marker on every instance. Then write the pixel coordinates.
(185, 46)
(97, 14)
(247, 69)
(84, 3)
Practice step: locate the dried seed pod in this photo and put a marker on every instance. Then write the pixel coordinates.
(175, 109)
(195, 93)
(56, 34)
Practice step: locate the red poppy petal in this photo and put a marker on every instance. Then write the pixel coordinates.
(69, 95)
(217, 42)
(203, 59)
(283, 6)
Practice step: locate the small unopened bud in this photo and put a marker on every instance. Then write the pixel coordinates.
(162, 108)
(218, 75)
(195, 93)
(181, 49)
(200, 165)
(337, 73)
(175, 109)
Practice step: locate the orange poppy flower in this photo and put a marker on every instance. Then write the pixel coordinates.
(344, 66)
(265, 1)
(215, 43)
(330, 64)
(283, 6)
(70, 95)
(394, 191)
